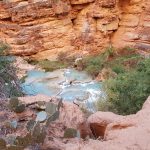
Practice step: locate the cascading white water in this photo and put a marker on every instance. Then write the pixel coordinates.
(70, 84)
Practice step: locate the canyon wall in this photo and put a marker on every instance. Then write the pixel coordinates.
(44, 28)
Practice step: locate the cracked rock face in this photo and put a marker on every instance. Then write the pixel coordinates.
(120, 132)
(44, 28)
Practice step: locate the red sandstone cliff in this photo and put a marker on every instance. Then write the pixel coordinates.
(43, 28)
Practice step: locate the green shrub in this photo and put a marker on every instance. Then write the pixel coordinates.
(62, 62)
(93, 70)
(48, 65)
(144, 66)
(110, 51)
(118, 68)
(122, 64)
(128, 91)
(4, 47)
(9, 83)
(104, 105)
(94, 64)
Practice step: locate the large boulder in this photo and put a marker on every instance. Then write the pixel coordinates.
(121, 132)
(99, 121)
(70, 114)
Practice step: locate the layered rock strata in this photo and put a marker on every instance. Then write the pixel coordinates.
(44, 28)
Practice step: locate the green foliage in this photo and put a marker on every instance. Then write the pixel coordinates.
(118, 69)
(4, 47)
(104, 104)
(62, 61)
(144, 66)
(128, 91)
(93, 70)
(110, 59)
(9, 83)
(122, 64)
(110, 51)
(48, 65)
(93, 64)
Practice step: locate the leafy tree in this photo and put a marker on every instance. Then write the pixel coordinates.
(128, 91)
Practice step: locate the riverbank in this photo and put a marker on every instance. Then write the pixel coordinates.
(113, 69)
(71, 85)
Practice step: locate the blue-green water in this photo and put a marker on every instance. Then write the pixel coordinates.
(69, 84)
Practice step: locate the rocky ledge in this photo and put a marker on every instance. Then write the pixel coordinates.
(118, 132)
(38, 119)
(71, 130)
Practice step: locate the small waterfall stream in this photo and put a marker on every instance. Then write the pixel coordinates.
(70, 84)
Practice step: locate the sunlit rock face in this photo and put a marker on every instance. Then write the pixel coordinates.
(44, 28)
(133, 25)
(120, 132)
